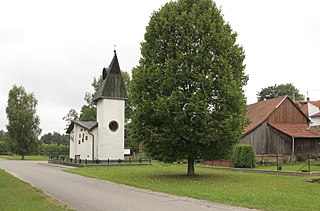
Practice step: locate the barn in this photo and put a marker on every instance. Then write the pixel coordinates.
(278, 126)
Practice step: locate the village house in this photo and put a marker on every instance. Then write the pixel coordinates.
(278, 126)
(312, 110)
(103, 139)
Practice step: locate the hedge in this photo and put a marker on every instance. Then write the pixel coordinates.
(243, 156)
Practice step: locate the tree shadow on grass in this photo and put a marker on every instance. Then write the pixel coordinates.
(184, 177)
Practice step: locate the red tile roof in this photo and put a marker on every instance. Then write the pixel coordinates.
(304, 108)
(316, 103)
(297, 130)
(258, 112)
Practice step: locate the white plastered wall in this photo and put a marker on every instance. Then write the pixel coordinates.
(312, 109)
(81, 142)
(110, 143)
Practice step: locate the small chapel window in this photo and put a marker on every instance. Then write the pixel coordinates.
(79, 142)
(113, 126)
(86, 138)
(79, 135)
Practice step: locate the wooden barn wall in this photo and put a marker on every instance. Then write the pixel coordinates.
(287, 112)
(257, 139)
(305, 146)
(279, 143)
(266, 140)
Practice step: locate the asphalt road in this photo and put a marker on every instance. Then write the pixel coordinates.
(83, 193)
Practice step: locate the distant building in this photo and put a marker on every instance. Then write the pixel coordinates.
(278, 126)
(103, 139)
(312, 110)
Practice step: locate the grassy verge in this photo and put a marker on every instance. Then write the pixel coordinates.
(17, 195)
(267, 192)
(314, 166)
(27, 157)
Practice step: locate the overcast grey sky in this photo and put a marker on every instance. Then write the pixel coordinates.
(55, 48)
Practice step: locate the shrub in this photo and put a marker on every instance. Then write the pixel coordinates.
(243, 156)
(301, 158)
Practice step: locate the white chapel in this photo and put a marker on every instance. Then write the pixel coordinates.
(103, 139)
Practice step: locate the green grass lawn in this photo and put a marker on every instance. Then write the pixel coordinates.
(261, 191)
(314, 166)
(17, 195)
(27, 157)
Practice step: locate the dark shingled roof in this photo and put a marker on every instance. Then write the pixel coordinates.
(112, 86)
(88, 125)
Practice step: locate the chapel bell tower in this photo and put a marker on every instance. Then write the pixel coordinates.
(110, 101)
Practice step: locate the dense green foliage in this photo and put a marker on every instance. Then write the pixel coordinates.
(54, 149)
(243, 156)
(4, 140)
(4, 149)
(187, 90)
(17, 195)
(260, 191)
(23, 127)
(55, 138)
(280, 90)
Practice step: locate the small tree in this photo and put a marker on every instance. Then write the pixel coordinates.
(71, 116)
(23, 127)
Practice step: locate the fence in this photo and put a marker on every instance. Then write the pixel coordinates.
(65, 160)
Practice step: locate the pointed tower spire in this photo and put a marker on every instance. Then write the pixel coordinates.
(112, 86)
(114, 65)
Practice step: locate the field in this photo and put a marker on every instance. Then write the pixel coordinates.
(17, 195)
(260, 191)
(27, 157)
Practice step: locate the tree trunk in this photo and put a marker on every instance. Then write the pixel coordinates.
(22, 157)
(190, 166)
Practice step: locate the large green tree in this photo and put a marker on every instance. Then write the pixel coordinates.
(23, 122)
(187, 91)
(280, 90)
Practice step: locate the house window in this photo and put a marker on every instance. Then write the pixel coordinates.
(113, 126)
